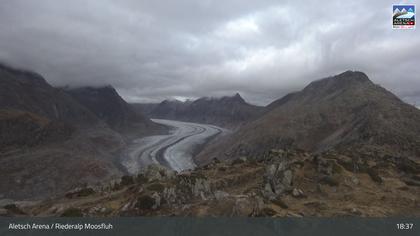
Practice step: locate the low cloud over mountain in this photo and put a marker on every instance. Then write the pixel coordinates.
(188, 49)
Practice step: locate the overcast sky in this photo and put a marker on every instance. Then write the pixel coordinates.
(263, 49)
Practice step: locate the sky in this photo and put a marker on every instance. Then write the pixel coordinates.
(155, 50)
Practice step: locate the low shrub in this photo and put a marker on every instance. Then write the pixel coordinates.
(72, 212)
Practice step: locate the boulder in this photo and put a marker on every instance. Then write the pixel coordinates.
(298, 193)
(278, 179)
(169, 195)
(201, 187)
(287, 178)
(248, 206)
(219, 195)
(158, 172)
(157, 199)
(242, 207)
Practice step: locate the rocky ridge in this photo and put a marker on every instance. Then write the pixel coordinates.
(289, 183)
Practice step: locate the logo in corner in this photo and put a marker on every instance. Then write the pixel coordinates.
(404, 16)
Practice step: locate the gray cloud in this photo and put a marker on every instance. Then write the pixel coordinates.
(152, 50)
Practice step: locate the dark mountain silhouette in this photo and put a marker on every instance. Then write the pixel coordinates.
(144, 108)
(347, 113)
(109, 107)
(225, 111)
(167, 109)
(28, 91)
(55, 139)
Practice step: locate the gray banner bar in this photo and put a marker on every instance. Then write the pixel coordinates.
(209, 226)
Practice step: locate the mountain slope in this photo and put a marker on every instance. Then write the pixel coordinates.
(28, 91)
(49, 142)
(346, 112)
(144, 108)
(20, 129)
(109, 107)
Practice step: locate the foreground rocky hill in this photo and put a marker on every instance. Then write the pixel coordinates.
(346, 113)
(289, 183)
(229, 112)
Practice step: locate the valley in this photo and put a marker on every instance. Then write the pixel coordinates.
(174, 150)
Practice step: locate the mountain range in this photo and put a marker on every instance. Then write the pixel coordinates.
(342, 145)
(346, 113)
(229, 112)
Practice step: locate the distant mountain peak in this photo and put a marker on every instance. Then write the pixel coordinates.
(172, 100)
(235, 98)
